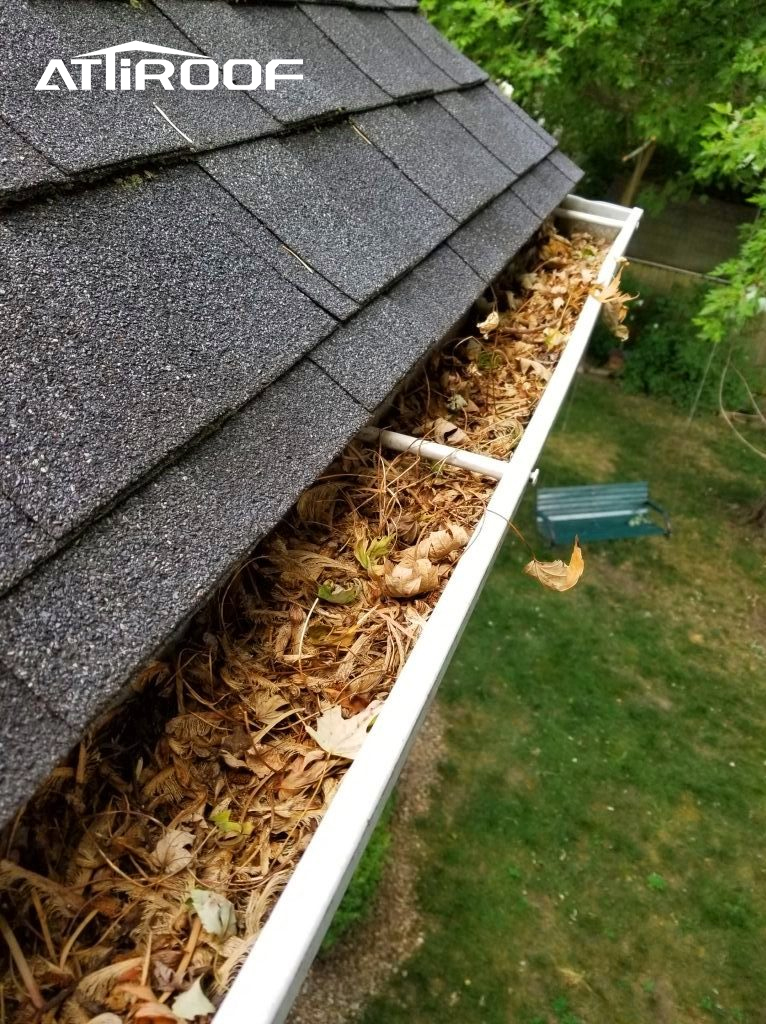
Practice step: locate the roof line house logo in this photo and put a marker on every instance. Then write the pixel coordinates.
(112, 70)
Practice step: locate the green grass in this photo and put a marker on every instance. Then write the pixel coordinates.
(595, 849)
(359, 898)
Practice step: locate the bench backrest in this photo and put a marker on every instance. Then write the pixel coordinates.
(610, 499)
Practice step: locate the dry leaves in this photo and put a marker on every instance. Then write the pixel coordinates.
(446, 432)
(486, 327)
(614, 302)
(343, 737)
(558, 575)
(192, 1003)
(172, 853)
(158, 859)
(215, 912)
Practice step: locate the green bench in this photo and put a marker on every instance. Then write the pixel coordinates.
(600, 512)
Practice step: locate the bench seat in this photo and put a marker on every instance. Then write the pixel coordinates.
(599, 512)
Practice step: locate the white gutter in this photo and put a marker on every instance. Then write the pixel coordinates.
(273, 972)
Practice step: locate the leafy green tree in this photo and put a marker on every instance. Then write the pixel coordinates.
(607, 75)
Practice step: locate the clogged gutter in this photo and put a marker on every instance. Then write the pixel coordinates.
(138, 879)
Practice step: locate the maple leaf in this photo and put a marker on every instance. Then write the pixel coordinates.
(171, 854)
(193, 1003)
(341, 736)
(558, 575)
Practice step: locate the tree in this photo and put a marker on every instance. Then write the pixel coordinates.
(606, 75)
(610, 75)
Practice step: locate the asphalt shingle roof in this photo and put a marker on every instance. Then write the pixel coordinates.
(203, 296)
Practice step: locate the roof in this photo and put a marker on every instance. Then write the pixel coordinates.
(204, 296)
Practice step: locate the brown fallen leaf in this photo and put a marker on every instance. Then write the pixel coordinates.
(558, 575)
(614, 302)
(490, 324)
(343, 736)
(446, 432)
(155, 1013)
(437, 545)
(172, 853)
(535, 367)
(411, 577)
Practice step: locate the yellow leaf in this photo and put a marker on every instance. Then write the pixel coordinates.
(558, 575)
(367, 553)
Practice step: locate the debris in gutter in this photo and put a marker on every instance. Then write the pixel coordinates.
(136, 881)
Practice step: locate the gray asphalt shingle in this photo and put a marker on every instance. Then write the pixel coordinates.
(32, 741)
(267, 247)
(543, 188)
(371, 354)
(313, 191)
(22, 168)
(491, 238)
(523, 116)
(497, 126)
(568, 167)
(74, 629)
(452, 62)
(139, 345)
(436, 152)
(330, 81)
(377, 46)
(22, 543)
(80, 131)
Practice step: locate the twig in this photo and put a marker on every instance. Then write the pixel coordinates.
(20, 960)
(191, 945)
(75, 936)
(38, 905)
(742, 438)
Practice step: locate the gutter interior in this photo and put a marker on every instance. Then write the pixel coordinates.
(222, 789)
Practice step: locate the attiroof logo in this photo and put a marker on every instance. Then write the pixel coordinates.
(108, 69)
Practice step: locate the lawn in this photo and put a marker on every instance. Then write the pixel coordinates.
(594, 852)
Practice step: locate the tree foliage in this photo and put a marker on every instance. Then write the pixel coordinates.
(607, 75)
(734, 149)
